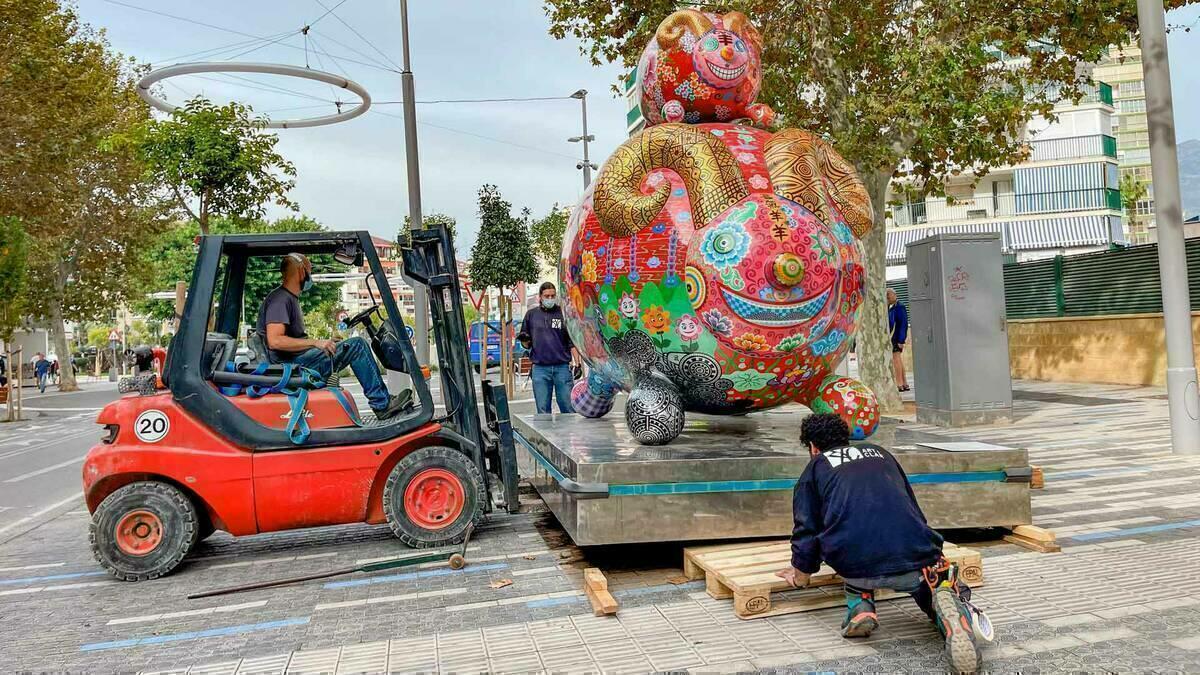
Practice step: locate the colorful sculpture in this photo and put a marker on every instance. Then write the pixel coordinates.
(716, 267)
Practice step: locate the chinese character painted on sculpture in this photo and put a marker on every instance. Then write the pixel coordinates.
(715, 267)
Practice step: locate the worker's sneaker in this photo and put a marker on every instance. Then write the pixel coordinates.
(954, 621)
(860, 615)
(398, 404)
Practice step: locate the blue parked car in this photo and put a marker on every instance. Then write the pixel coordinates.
(493, 342)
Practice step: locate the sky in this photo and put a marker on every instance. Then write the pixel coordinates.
(352, 175)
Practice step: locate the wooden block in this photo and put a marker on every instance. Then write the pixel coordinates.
(691, 570)
(594, 579)
(1035, 533)
(602, 601)
(715, 589)
(751, 601)
(1037, 481)
(1033, 544)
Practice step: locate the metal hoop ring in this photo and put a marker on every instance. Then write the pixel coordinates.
(267, 69)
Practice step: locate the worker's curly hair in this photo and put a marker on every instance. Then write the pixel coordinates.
(824, 430)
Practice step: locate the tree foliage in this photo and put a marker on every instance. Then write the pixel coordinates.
(1132, 192)
(14, 248)
(548, 234)
(218, 158)
(174, 258)
(404, 236)
(503, 252)
(947, 86)
(83, 197)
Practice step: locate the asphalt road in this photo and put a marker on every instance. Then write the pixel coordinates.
(40, 457)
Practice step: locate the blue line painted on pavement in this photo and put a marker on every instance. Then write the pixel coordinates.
(628, 593)
(52, 577)
(1179, 525)
(193, 635)
(388, 578)
(552, 602)
(1094, 473)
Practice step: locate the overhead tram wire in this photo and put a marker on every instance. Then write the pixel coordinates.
(343, 45)
(235, 32)
(275, 90)
(321, 63)
(213, 51)
(266, 44)
(312, 23)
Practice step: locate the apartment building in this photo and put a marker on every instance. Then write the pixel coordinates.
(356, 296)
(1122, 68)
(1063, 199)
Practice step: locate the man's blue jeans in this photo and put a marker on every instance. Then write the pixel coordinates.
(556, 378)
(356, 353)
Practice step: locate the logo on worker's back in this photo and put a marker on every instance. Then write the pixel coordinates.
(840, 456)
(556, 324)
(152, 426)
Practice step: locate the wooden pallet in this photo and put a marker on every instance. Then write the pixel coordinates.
(1034, 538)
(746, 573)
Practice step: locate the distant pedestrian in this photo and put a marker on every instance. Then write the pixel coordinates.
(41, 371)
(898, 327)
(544, 334)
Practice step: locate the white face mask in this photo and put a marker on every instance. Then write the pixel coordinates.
(549, 303)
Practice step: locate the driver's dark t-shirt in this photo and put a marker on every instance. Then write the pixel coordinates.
(280, 306)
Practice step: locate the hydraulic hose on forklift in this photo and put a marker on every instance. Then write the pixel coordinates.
(297, 427)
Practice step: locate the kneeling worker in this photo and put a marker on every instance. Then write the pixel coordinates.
(853, 507)
(281, 327)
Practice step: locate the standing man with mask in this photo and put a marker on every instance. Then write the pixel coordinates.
(544, 334)
(281, 327)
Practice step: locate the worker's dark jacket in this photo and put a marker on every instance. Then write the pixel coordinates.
(853, 507)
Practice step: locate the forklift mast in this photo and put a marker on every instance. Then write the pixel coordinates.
(429, 260)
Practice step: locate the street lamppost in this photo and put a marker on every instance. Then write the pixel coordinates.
(586, 164)
(420, 299)
(1183, 404)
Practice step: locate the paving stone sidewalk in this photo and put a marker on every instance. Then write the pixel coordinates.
(1119, 596)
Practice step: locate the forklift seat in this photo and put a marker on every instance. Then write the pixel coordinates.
(220, 349)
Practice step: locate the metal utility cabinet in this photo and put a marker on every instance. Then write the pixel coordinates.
(959, 333)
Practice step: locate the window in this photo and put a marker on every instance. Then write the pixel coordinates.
(1131, 89)
(1134, 139)
(1133, 105)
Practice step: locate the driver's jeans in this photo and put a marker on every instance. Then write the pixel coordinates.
(353, 352)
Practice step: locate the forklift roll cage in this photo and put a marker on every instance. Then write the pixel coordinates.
(429, 261)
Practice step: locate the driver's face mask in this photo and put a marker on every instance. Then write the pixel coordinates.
(307, 283)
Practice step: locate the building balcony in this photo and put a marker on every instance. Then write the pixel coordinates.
(987, 207)
(1074, 147)
(634, 114)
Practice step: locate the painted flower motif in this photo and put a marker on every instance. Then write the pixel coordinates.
(603, 297)
(759, 182)
(576, 297)
(671, 280)
(658, 228)
(692, 117)
(688, 328)
(751, 342)
(619, 263)
(726, 244)
(684, 90)
(683, 217)
(723, 112)
(687, 42)
(628, 306)
(745, 158)
(797, 375)
(608, 279)
(666, 72)
(656, 319)
(653, 262)
(717, 322)
(790, 343)
(654, 179)
(589, 266)
(701, 90)
(613, 319)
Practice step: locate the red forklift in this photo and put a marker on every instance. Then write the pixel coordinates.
(180, 462)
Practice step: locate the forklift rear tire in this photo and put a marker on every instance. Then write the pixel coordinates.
(432, 495)
(143, 530)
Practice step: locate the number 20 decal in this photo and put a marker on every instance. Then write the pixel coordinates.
(151, 426)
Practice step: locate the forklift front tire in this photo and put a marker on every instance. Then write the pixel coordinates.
(432, 495)
(143, 530)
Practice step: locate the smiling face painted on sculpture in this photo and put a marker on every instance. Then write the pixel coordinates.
(764, 277)
(721, 58)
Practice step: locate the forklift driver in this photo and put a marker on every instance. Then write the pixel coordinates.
(281, 327)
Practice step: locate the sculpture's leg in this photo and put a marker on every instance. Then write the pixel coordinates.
(593, 396)
(654, 411)
(850, 400)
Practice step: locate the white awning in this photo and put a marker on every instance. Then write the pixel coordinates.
(1023, 235)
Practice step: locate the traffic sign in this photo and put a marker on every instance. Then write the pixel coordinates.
(114, 335)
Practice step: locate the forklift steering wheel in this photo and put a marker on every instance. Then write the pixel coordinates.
(361, 316)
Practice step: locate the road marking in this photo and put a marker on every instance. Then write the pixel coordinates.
(43, 512)
(390, 598)
(415, 575)
(56, 467)
(64, 587)
(219, 609)
(52, 577)
(269, 561)
(365, 561)
(32, 567)
(175, 637)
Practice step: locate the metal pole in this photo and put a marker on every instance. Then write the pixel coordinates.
(1182, 401)
(420, 298)
(587, 164)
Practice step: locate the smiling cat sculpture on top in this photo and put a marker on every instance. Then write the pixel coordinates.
(715, 266)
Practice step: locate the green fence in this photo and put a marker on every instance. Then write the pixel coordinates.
(1120, 281)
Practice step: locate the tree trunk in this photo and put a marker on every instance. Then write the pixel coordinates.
(873, 342)
(483, 339)
(66, 369)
